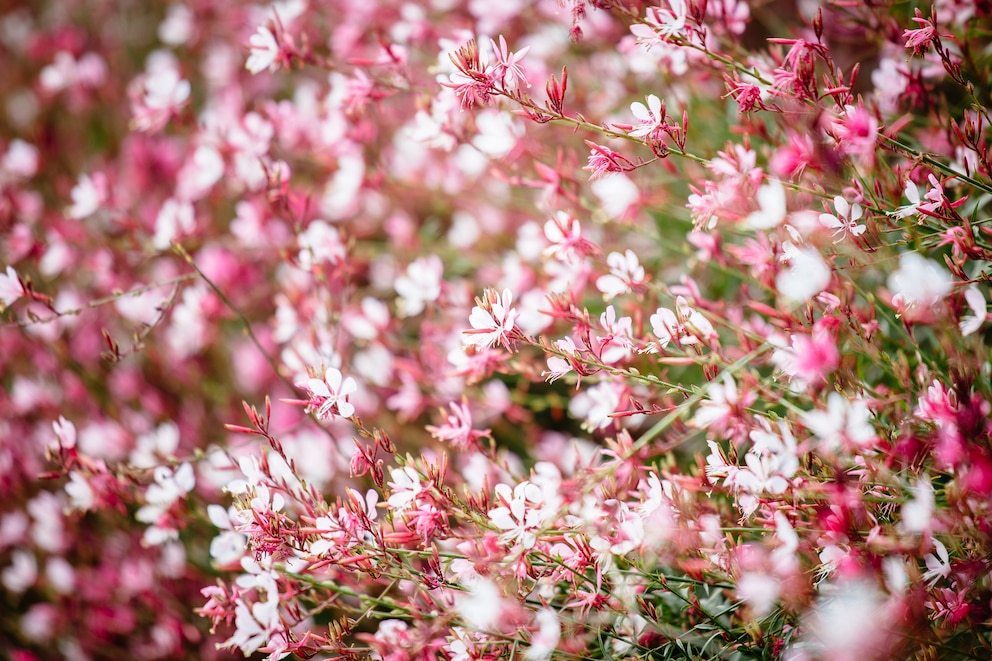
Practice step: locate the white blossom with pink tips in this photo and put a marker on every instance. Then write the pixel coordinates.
(520, 514)
(492, 320)
(329, 395)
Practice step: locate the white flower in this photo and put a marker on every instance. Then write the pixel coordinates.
(81, 496)
(330, 394)
(174, 218)
(650, 116)
(169, 486)
(521, 515)
(492, 321)
(846, 218)
(10, 287)
(625, 272)
(420, 285)
(845, 420)
(546, 639)
(559, 367)
(917, 513)
(759, 591)
(264, 51)
(771, 203)
(919, 281)
(913, 195)
(320, 242)
(979, 308)
(498, 133)
(808, 274)
(721, 398)
(406, 488)
(482, 606)
(696, 326)
(87, 197)
(844, 624)
(939, 565)
(165, 89)
(661, 23)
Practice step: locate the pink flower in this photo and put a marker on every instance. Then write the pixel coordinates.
(457, 428)
(329, 396)
(565, 235)
(492, 320)
(603, 161)
(472, 85)
(507, 67)
(920, 38)
(792, 159)
(857, 132)
(811, 357)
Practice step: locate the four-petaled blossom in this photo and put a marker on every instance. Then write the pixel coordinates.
(651, 117)
(919, 39)
(507, 66)
(806, 276)
(420, 285)
(626, 273)
(661, 24)
(558, 366)
(265, 51)
(492, 320)
(520, 516)
(979, 311)
(329, 396)
(603, 161)
(158, 95)
(846, 218)
(665, 326)
(916, 206)
(457, 428)
(918, 281)
(913, 195)
(11, 288)
(846, 423)
(938, 563)
(771, 200)
(406, 488)
(564, 233)
(88, 196)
